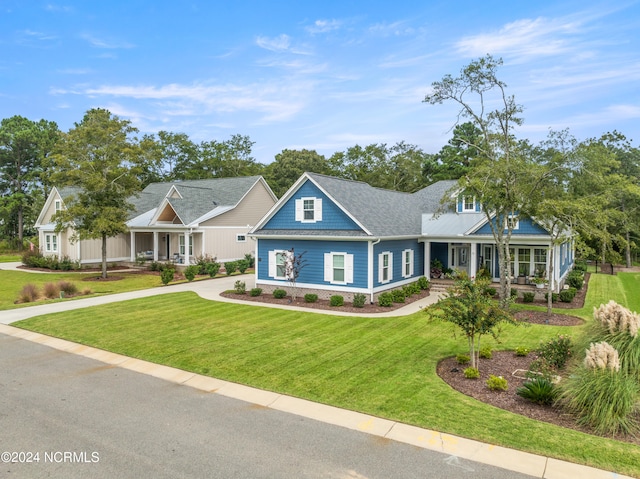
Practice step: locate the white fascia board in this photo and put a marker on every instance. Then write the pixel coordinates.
(47, 204)
(275, 208)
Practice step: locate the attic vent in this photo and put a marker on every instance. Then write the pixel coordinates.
(214, 202)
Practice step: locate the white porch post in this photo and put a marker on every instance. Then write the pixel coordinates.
(187, 242)
(133, 246)
(427, 260)
(155, 246)
(473, 260)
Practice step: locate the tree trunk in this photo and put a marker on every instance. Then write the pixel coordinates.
(104, 256)
(627, 250)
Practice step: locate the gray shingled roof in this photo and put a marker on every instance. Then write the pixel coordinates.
(383, 213)
(198, 196)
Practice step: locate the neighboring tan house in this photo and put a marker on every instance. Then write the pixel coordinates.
(360, 239)
(176, 221)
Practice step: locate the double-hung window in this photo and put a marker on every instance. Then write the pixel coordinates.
(51, 243)
(308, 210)
(407, 263)
(338, 268)
(468, 203)
(385, 267)
(182, 248)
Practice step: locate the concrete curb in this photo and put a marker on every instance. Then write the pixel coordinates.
(456, 447)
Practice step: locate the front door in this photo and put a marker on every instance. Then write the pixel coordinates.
(460, 258)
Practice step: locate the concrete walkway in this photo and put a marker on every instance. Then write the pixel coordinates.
(510, 459)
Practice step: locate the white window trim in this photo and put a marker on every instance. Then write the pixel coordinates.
(410, 263)
(381, 267)
(273, 266)
(473, 206)
(510, 219)
(181, 245)
(317, 209)
(57, 205)
(51, 242)
(348, 268)
(241, 238)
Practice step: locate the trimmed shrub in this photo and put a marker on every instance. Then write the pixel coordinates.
(575, 279)
(29, 293)
(554, 297)
(385, 299)
(580, 265)
(212, 269)
(463, 358)
(154, 266)
(249, 257)
(167, 275)
(243, 266)
(336, 300)
(491, 292)
(497, 383)
(527, 297)
(471, 373)
(240, 287)
(567, 295)
(279, 293)
(310, 298)
(191, 271)
(255, 292)
(538, 390)
(230, 267)
(522, 351)
(423, 283)
(486, 352)
(398, 296)
(359, 299)
(514, 293)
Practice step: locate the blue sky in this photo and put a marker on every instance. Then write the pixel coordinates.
(318, 75)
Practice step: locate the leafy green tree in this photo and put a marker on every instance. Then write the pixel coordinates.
(178, 155)
(454, 160)
(24, 145)
(503, 178)
(469, 306)
(289, 165)
(101, 159)
(398, 167)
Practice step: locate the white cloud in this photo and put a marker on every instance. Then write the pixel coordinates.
(102, 43)
(527, 37)
(277, 44)
(323, 26)
(275, 102)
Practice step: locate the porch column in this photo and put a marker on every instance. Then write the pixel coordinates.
(473, 260)
(427, 260)
(155, 246)
(133, 246)
(187, 242)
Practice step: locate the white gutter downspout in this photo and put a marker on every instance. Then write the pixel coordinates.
(370, 279)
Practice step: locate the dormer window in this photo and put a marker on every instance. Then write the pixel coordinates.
(468, 203)
(512, 222)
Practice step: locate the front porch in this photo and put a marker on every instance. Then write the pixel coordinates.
(177, 245)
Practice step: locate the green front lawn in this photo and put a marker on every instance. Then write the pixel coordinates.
(10, 258)
(12, 282)
(381, 366)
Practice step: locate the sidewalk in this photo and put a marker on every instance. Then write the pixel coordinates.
(457, 447)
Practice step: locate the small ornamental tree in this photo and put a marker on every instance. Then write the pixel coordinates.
(293, 263)
(468, 306)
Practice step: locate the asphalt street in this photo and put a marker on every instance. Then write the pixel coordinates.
(67, 416)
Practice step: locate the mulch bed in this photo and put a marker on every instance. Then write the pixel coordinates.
(324, 304)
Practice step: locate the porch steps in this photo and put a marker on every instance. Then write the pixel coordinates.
(440, 285)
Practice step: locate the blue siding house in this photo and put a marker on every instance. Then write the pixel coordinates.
(355, 238)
